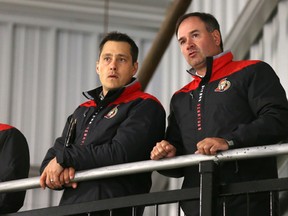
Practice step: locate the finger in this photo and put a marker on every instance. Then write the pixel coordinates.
(213, 150)
(203, 150)
(74, 185)
(160, 152)
(199, 144)
(53, 185)
(42, 180)
(66, 176)
(55, 180)
(61, 178)
(163, 144)
(206, 149)
(199, 149)
(71, 173)
(219, 147)
(172, 151)
(49, 182)
(204, 146)
(154, 154)
(57, 183)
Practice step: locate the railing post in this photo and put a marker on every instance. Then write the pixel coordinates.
(207, 189)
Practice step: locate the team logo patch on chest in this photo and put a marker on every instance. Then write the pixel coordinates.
(223, 85)
(111, 113)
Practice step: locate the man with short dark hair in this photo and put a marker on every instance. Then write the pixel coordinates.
(229, 104)
(118, 124)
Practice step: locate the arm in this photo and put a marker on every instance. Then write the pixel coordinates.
(133, 140)
(268, 102)
(170, 147)
(51, 170)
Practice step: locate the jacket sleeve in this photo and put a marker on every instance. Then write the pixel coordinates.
(15, 163)
(57, 147)
(133, 141)
(173, 136)
(269, 105)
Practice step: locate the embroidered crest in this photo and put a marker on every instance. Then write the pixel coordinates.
(111, 113)
(223, 85)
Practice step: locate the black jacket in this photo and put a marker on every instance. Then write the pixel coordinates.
(122, 128)
(241, 101)
(15, 163)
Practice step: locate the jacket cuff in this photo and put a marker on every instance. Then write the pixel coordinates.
(60, 159)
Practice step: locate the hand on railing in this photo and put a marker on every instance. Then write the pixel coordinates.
(163, 149)
(67, 176)
(56, 177)
(211, 146)
(51, 175)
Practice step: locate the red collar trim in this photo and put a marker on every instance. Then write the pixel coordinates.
(90, 103)
(225, 66)
(131, 92)
(222, 66)
(5, 127)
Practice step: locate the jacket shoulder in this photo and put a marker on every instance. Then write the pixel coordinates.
(4, 127)
(126, 98)
(89, 103)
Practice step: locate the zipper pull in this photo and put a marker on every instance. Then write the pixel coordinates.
(191, 94)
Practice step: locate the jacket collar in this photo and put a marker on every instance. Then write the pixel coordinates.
(112, 95)
(214, 63)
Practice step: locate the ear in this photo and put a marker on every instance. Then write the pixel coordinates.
(135, 66)
(217, 37)
(97, 67)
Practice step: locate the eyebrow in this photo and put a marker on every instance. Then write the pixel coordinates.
(122, 55)
(191, 32)
(118, 55)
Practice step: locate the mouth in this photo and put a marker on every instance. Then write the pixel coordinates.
(192, 54)
(113, 76)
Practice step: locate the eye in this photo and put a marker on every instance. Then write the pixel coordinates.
(181, 42)
(194, 35)
(122, 60)
(106, 58)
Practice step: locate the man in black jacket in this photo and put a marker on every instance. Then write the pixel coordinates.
(15, 163)
(229, 104)
(118, 124)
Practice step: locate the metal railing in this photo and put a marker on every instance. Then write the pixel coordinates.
(157, 198)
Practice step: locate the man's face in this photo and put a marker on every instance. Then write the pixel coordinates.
(115, 67)
(196, 43)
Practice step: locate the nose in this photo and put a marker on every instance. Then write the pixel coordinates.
(113, 65)
(190, 44)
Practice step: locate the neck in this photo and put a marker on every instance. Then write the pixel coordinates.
(202, 74)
